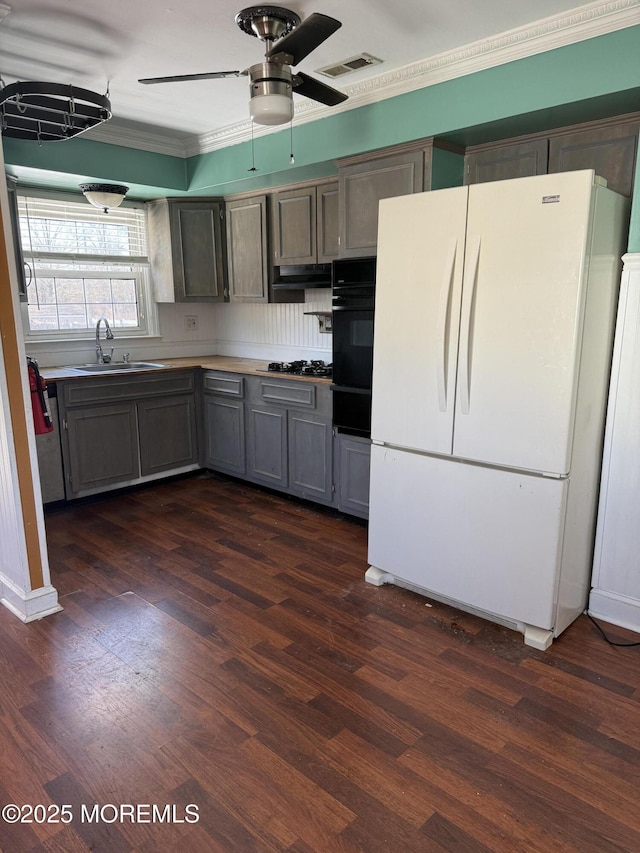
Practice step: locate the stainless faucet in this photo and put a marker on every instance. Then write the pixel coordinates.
(101, 357)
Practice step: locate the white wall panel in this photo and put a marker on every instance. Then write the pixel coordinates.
(615, 594)
(273, 332)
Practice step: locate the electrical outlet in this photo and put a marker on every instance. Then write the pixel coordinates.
(191, 323)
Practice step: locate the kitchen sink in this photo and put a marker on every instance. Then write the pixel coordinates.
(117, 366)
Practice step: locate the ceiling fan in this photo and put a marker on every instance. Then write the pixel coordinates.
(272, 82)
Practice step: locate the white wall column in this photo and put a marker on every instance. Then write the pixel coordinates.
(615, 593)
(25, 584)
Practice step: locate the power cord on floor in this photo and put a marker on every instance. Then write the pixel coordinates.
(611, 642)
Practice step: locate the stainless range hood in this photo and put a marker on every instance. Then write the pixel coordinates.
(301, 276)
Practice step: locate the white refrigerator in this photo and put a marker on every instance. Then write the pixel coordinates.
(494, 314)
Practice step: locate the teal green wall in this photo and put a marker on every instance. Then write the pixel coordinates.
(634, 226)
(591, 79)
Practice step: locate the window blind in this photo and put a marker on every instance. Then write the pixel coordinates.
(53, 230)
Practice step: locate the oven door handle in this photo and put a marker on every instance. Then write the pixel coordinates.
(353, 308)
(350, 389)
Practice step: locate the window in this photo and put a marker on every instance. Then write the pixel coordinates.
(84, 265)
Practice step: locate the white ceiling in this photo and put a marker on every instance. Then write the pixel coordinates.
(90, 43)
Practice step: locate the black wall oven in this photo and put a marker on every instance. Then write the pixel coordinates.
(353, 281)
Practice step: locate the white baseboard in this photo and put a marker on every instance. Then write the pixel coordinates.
(615, 609)
(29, 606)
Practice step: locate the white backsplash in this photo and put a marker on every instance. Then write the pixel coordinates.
(271, 332)
(274, 332)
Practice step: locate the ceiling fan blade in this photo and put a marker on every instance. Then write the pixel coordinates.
(307, 37)
(178, 78)
(317, 91)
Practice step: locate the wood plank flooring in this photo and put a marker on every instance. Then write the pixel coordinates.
(219, 648)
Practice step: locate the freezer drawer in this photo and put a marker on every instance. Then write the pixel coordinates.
(487, 538)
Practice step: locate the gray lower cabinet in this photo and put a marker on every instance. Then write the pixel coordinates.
(118, 430)
(103, 447)
(353, 456)
(267, 445)
(310, 454)
(224, 444)
(271, 431)
(223, 433)
(50, 457)
(289, 436)
(167, 433)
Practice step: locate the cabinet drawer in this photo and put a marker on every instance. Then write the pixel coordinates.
(298, 394)
(82, 391)
(223, 383)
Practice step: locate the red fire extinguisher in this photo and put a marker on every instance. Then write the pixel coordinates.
(41, 418)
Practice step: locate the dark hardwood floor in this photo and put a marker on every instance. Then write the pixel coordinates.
(219, 647)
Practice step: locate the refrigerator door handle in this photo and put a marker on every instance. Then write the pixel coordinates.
(466, 323)
(444, 325)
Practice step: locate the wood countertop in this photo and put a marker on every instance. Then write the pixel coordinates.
(225, 363)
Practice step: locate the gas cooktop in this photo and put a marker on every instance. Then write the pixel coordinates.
(301, 368)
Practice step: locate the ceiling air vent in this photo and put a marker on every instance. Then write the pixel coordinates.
(354, 63)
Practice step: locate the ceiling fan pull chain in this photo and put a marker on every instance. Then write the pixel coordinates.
(291, 157)
(253, 159)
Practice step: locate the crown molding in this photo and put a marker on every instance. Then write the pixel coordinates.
(582, 23)
(113, 133)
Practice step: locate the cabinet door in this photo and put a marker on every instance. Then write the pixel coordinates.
(198, 251)
(352, 474)
(224, 434)
(102, 447)
(167, 433)
(327, 219)
(362, 186)
(610, 150)
(310, 456)
(50, 459)
(506, 161)
(267, 445)
(247, 249)
(294, 226)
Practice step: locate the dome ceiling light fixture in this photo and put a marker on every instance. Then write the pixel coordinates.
(50, 112)
(272, 82)
(104, 196)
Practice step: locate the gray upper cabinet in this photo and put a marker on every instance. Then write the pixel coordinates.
(187, 249)
(501, 162)
(327, 219)
(609, 147)
(364, 181)
(247, 249)
(305, 224)
(294, 226)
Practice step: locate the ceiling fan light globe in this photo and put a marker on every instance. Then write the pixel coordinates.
(271, 109)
